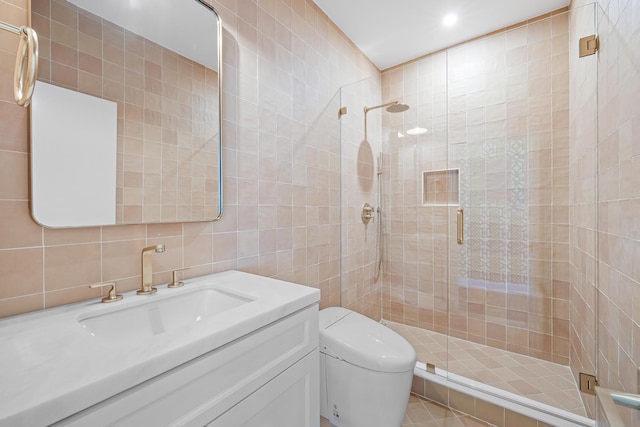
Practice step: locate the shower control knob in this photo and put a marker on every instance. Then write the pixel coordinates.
(367, 213)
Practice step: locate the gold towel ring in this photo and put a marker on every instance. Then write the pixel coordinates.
(26, 69)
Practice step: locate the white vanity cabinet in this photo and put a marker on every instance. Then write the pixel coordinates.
(227, 349)
(266, 378)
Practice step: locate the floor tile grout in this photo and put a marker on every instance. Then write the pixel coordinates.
(514, 372)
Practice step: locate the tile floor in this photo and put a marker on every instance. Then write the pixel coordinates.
(425, 413)
(536, 379)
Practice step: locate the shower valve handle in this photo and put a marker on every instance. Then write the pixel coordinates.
(367, 213)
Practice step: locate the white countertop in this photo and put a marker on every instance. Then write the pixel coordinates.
(51, 368)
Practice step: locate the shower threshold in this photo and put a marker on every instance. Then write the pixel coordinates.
(523, 384)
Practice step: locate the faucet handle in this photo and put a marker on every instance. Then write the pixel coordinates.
(113, 292)
(175, 283)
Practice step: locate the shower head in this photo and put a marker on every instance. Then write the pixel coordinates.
(392, 107)
(397, 108)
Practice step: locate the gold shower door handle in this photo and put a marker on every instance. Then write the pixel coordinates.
(460, 226)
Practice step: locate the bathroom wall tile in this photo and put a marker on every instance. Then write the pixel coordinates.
(436, 392)
(16, 227)
(462, 402)
(14, 126)
(198, 250)
(7, 64)
(70, 295)
(199, 228)
(491, 413)
(172, 257)
(515, 419)
(22, 269)
(162, 230)
(124, 232)
(53, 237)
(14, 184)
(15, 14)
(121, 259)
(19, 305)
(71, 265)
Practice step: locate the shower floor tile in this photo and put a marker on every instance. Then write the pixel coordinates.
(425, 413)
(536, 379)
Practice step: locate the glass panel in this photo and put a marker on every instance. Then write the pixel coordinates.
(360, 150)
(509, 287)
(617, 276)
(584, 178)
(316, 199)
(416, 233)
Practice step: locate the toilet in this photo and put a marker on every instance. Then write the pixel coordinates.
(366, 370)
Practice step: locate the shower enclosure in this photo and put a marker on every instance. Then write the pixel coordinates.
(482, 234)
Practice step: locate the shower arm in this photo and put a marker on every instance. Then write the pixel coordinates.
(388, 104)
(367, 109)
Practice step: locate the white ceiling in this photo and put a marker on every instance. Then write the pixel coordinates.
(394, 32)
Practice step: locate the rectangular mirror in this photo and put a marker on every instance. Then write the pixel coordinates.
(157, 65)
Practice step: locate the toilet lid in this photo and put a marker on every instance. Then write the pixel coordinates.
(363, 342)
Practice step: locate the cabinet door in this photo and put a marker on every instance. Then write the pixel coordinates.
(289, 400)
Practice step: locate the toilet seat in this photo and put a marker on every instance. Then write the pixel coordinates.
(363, 342)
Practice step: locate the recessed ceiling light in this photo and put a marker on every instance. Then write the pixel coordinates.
(450, 20)
(417, 131)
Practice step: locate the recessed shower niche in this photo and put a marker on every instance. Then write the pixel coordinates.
(441, 187)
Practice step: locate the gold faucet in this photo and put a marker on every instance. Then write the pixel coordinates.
(147, 271)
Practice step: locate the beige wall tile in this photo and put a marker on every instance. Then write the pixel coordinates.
(121, 259)
(490, 413)
(515, 419)
(19, 305)
(16, 227)
(124, 232)
(72, 265)
(171, 259)
(14, 167)
(198, 249)
(436, 392)
(22, 270)
(54, 237)
(14, 124)
(70, 295)
(462, 402)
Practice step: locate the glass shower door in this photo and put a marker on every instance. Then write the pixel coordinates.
(510, 276)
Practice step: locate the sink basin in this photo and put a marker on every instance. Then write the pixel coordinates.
(158, 317)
